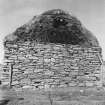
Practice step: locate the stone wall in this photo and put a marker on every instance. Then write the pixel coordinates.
(51, 65)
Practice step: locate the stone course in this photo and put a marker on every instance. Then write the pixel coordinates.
(49, 65)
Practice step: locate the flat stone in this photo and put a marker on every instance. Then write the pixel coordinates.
(49, 73)
(15, 82)
(72, 84)
(53, 60)
(89, 84)
(47, 60)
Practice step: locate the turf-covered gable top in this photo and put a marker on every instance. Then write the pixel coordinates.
(54, 26)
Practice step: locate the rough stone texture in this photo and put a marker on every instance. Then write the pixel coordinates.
(52, 65)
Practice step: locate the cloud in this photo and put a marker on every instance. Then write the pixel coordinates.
(8, 6)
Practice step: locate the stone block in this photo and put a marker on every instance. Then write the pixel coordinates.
(26, 81)
(73, 84)
(47, 60)
(89, 84)
(15, 82)
(81, 84)
(62, 85)
(46, 86)
(38, 70)
(53, 60)
(50, 73)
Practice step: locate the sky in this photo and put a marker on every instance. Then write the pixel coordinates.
(14, 13)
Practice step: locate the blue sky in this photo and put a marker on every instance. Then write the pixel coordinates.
(14, 13)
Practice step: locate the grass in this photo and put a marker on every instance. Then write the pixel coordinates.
(61, 96)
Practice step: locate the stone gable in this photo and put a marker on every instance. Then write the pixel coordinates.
(52, 50)
(52, 65)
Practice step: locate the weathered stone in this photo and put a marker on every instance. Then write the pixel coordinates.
(38, 70)
(15, 82)
(49, 73)
(47, 60)
(89, 84)
(53, 60)
(73, 84)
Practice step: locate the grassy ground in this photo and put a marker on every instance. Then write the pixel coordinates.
(61, 96)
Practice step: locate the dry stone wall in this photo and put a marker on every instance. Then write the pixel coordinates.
(51, 65)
